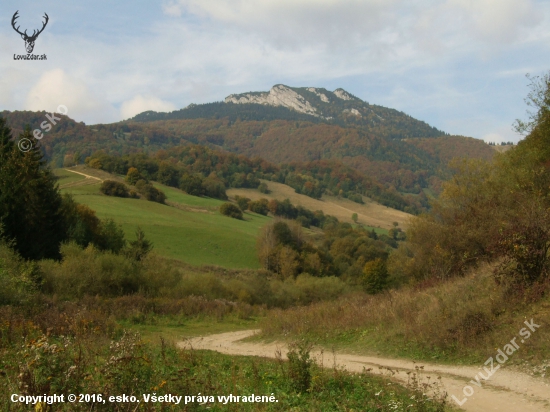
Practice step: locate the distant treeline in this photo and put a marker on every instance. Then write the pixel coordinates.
(230, 111)
(201, 171)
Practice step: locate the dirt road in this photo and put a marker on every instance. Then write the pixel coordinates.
(504, 391)
(84, 174)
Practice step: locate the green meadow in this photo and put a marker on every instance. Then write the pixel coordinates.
(190, 228)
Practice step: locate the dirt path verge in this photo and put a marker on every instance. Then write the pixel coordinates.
(504, 391)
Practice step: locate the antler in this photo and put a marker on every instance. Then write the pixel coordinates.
(43, 26)
(34, 33)
(15, 16)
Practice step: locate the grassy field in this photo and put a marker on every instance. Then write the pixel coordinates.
(370, 214)
(191, 230)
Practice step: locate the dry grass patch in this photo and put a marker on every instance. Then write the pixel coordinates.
(370, 213)
(462, 319)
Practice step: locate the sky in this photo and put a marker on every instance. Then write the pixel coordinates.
(459, 65)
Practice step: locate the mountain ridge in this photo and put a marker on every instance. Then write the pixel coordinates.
(312, 104)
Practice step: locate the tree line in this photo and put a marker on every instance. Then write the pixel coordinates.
(35, 218)
(496, 212)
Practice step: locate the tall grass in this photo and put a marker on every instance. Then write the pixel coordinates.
(464, 319)
(77, 351)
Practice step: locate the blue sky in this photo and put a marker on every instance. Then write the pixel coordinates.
(459, 65)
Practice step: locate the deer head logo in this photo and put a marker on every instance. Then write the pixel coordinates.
(29, 40)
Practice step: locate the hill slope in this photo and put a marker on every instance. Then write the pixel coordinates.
(191, 230)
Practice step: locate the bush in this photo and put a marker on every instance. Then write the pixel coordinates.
(150, 192)
(112, 188)
(242, 202)
(299, 365)
(356, 198)
(90, 272)
(17, 278)
(262, 187)
(229, 209)
(259, 206)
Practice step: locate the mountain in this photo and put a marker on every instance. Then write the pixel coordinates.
(287, 125)
(311, 104)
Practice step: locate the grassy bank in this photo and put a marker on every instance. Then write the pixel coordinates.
(460, 321)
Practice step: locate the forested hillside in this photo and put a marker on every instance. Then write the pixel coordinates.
(408, 166)
(199, 170)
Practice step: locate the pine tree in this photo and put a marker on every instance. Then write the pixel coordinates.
(30, 203)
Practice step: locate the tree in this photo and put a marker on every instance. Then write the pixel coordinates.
(262, 187)
(266, 244)
(229, 209)
(288, 262)
(354, 217)
(140, 247)
(242, 202)
(214, 187)
(30, 203)
(192, 185)
(375, 276)
(85, 228)
(539, 99)
(111, 237)
(167, 174)
(133, 176)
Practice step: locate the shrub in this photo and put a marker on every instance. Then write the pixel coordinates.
(242, 202)
(229, 209)
(299, 365)
(112, 188)
(16, 277)
(356, 198)
(262, 187)
(90, 272)
(150, 192)
(259, 206)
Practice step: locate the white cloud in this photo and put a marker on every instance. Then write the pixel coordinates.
(497, 20)
(172, 9)
(141, 104)
(291, 23)
(56, 88)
